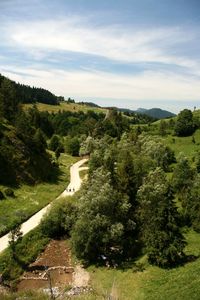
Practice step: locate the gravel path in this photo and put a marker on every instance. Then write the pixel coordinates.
(31, 223)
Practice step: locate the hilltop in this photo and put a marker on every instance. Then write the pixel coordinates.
(157, 113)
(154, 113)
(66, 106)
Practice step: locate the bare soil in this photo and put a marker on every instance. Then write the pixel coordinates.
(53, 267)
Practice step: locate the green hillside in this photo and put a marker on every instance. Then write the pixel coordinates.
(65, 106)
(141, 281)
(132, 223)
(188, 145)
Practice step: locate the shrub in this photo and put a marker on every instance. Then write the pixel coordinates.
(9, 192)
(2, 196)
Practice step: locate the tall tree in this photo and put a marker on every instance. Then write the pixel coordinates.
(160, 221)
(126, 175)
(183, 174)
(9, 106)
(185, 125)
(191, 204)
(102, 219)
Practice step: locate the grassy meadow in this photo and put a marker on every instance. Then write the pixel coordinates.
(30, 199)
(64, 106)
(188, 145)
(153, 283)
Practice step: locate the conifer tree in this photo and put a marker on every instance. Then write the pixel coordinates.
(160, 221)
(9, 105)
(183, 174)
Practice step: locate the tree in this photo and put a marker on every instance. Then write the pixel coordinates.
(102, 221)
(40, 140)
(14, 238)
(73, 146)
(126, 177)
(191, 204)
(87, 146)
(55, 143)
(183, 174)
(60, 219)
(162, 128)
(161, 154)
(197, 161)
(159, 221)
(9, 106)
(185, 125)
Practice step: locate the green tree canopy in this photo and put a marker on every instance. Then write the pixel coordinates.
(9, 106)
(185, 125)
(183, 174)
(191, 204)
(160, 221)
(102, 221)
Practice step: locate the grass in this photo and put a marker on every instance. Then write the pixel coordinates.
(83, 174)
(30, 295)
(26, 251)
(181, 283)
(64, 106)
(184, 144)
(30, 199)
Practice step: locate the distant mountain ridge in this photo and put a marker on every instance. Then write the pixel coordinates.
(28, 94)
(156, 113)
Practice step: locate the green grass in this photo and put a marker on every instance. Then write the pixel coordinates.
(181, 283)
(184, 144)
(30, 295)
(73, 107)
(27, 250)
(83, 174)
(30, 199)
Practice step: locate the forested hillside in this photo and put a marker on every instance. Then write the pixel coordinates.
(24, 133)
(27, 94)
(147, 195)
(142, 192)
(156, 113)
(23, 155)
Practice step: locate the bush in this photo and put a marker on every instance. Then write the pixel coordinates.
(9, 192)
(2, 196)
(60, 219)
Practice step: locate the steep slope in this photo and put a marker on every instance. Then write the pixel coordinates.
(22, 158)
(27, 94)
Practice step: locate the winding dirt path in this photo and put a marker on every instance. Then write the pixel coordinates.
(32, 222)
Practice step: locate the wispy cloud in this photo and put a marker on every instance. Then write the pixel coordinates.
(115, 43)
(147, 86)
(50, 46)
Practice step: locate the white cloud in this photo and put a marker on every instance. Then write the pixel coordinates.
(147, 87)
(125, 45)
(116, 43)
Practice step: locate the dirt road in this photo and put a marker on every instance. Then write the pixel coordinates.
(31, 223)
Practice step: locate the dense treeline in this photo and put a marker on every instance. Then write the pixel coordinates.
(27, 94)
(24, 135)
(23, 155)
(127, 205)
(139, 118)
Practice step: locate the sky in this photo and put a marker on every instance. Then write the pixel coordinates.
(124, 53)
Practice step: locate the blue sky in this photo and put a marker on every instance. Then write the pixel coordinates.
(124, 53)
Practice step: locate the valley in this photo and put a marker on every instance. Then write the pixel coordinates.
(126, 227)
